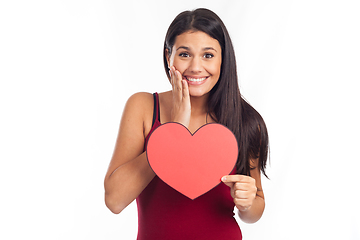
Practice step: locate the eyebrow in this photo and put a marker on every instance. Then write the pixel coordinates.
(209, 48)
(204, 49)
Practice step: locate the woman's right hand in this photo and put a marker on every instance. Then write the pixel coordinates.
(181, 109)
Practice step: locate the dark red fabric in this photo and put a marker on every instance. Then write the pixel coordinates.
(164, 213)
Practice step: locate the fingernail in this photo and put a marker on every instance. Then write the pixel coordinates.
(223, 179)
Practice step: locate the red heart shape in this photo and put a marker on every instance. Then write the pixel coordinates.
(193, 164)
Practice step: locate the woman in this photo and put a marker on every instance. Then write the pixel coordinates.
(200, 63)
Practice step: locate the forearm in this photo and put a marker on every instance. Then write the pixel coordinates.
(127, 182)
(254, 213)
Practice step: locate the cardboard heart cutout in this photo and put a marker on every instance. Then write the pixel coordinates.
(192, 164)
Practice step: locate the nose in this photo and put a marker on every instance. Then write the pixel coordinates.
(195, 65)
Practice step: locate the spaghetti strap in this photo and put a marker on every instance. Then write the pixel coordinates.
(156, 114)
(156, 117)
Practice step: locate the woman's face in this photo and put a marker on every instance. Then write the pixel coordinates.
(197, 56)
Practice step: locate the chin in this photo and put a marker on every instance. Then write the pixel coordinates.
(197, 93)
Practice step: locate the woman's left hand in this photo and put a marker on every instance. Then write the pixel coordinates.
(243, 190)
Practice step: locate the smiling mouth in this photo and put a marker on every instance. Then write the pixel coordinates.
(196, 79)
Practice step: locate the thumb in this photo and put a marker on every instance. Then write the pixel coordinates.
(224, 179)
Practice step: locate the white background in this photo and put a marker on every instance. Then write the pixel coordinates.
(68, 67)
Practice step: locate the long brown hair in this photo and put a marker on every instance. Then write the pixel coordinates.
(225, 103)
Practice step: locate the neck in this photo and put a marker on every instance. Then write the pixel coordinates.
(199, 105)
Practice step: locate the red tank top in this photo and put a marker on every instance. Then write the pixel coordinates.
(166, 214)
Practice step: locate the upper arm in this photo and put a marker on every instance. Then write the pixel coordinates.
(133, 126)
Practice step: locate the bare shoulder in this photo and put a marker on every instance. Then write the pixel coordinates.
(140, 99)
(139, 103)
(139, 110)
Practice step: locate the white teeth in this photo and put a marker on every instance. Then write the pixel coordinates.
(196, 79)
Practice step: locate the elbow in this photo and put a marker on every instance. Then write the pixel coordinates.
(112, 201)
(249, 218)
(113, 205)
(114, 209)
(253, 214)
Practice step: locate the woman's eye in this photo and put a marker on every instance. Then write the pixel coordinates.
(183, 55)
(208, 55)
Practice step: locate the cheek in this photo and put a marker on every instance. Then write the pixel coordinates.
(218, 68)
(214, 69)
(181, 66)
